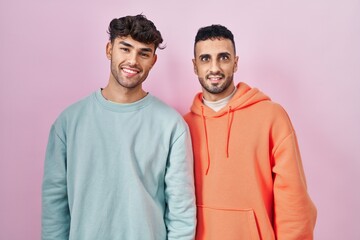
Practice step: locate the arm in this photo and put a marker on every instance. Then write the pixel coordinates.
(55, 209)
(180, 214)
(294, 212)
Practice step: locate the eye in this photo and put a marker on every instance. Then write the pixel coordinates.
(204, 58)
(224, 57)
(124, 49)
(144, 54)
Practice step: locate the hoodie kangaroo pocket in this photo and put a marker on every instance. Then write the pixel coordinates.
(226, 224)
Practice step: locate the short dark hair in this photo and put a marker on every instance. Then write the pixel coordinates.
(214, 31)
(138, 27)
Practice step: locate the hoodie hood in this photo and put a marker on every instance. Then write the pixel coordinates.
(244, 96)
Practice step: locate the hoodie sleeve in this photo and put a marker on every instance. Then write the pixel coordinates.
(180, 216)
(294, 212)
(55, 209)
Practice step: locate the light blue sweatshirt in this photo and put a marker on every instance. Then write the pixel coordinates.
(118, 171)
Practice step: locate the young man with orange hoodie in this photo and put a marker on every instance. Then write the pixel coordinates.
(249, 178)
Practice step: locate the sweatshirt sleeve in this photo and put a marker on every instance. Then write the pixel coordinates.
(294, 212)
(55, 209)
(180, 214)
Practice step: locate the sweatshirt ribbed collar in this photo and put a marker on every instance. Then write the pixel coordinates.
(122, 107)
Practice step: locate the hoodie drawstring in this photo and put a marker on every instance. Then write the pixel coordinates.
(229, 123)
(206, 139)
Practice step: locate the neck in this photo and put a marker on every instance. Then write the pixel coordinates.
(213, 97)
(120, 94)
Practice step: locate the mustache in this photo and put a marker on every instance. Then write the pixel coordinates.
(215, 74)
(135, 66)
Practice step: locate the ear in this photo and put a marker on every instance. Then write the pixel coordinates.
(236, 63)
(154, 59)
(109, 50)
(195, 68)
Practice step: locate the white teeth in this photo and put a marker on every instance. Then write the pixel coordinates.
(129, 70)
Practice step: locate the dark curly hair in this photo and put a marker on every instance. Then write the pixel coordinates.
(138, 27)
(214, 31)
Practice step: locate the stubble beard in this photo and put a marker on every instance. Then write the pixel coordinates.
(217, 87)
(116, 72)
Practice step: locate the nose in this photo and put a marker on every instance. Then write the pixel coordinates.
(214, 66)
(132, 59)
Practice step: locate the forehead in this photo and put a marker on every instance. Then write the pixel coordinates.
(128, 40)
(214, 46)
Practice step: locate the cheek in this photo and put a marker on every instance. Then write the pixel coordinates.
(115, 63)
(145, 64)
(201, 70)
(146, 67)
(230, 69)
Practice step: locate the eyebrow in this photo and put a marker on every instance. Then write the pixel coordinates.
(219, 54)
(224, 54)
(204, 55)
(131, 46)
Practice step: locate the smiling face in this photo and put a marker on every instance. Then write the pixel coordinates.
(215, 64)
(131, 62)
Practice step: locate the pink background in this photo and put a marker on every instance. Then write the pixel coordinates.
(304, 54)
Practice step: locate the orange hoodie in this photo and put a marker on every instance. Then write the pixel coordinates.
(249, 178)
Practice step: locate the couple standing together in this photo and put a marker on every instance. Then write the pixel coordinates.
(121, 164)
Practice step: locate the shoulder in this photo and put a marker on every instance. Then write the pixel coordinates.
(160, 107)
(166, 114)
(276, 116)
(188, 117)
(271, 108)
(74, 110)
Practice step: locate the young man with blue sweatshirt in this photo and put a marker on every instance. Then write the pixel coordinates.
(119, 162)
